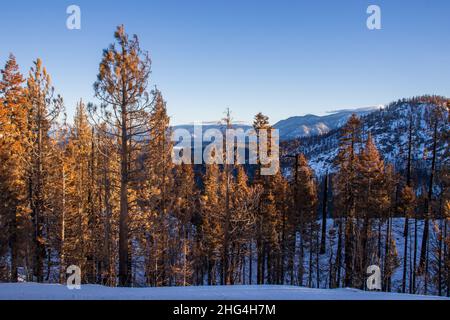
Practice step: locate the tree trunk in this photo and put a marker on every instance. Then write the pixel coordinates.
(38, 209)
(250, 264)
(13, 246)
(225, 254)
(405, 255)
(414, 275)
(124, 280)
(425, 236)
(408, 183)
(62, 262)
(339, 255)
(324, 216)
(349, 253)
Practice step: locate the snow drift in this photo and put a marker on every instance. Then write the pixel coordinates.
(32, 291)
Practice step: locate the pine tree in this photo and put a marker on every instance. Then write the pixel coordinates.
(245, 199)
(121, 87)
(407, 205)
(109, 203)
(156, 194)
(186, 213)
(345, 190)
(14, 213)
(228, 186)
(44, 108)
(324, 215)
(211, 230)
(305, 195)
(59, 198)
(391, 258)
(371, 202)
(81, 205)
(282, 194)
(267, 216)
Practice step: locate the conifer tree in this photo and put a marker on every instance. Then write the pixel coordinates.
(324, 215)
(122, 88)
(186, 212)
(14, 213)
(305, 194)
(266, 216)
(391, 258)
(158, 186)
(81, 205)
(345, 190)
(44, 108)
(371, 202)
(211, 230)
(245, 199)
(109, 203)
(407, 205)
(228, 186)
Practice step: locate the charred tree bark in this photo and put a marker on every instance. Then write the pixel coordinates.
(324, 216)
(425, 236)
(408, 183)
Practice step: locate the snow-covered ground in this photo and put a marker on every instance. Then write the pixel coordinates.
(32, 291)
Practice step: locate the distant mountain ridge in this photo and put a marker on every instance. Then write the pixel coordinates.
(297, 126)
(207, 126)
(309, 125)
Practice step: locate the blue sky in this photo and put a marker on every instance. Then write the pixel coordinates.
(283, 58)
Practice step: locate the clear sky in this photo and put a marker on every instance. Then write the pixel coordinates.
(283, 58)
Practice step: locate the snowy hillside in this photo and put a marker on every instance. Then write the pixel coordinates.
(31, 291)
(389, 129)
(309, 125)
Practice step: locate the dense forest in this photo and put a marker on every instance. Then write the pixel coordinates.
(101, 192)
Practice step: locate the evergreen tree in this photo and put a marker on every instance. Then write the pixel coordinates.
(81, 214)
(121, 87)
(267, 216)
(371, 202)
(14, 212)
(211, 231)
(305, 195)
(44, 108)
(156, 194)
(345, 190)
(186, 212)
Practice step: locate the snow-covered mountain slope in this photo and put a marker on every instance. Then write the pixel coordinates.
(389, 129)
(309, 125)
(32, 291)
(295, 127)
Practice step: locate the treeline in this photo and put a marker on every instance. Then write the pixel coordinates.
(103, 194)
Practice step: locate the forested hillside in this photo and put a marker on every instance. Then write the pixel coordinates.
(393, 128)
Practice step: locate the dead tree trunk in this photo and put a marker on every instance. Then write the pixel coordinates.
(425, 236)
(324, 216)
